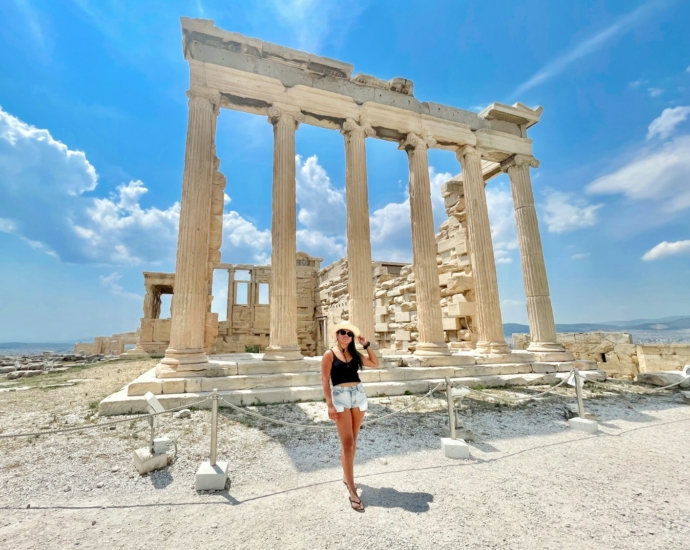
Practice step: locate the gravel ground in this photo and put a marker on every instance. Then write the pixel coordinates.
(531, 482)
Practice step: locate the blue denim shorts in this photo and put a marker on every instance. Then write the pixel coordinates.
(349, 398)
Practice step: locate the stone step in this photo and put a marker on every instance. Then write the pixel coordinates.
(161, 386)
(121, 403)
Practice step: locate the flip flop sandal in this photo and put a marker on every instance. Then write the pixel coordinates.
(353, 504)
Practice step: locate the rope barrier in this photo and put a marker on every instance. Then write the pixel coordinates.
(655, 390)
(511, 400)
(138, 418)
(104, 424)
(330, 426)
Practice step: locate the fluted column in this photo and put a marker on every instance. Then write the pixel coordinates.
(185, 356)
(539, 311)
(488, 319)
(431, 339)
(360, 284)
(284, 344)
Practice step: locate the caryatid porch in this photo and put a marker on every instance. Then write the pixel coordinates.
(290, 87)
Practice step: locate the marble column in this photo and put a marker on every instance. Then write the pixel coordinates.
(284, 345)
(431, 340)
(360, 283)
(185, 355)
(488, 320)
(539, 311)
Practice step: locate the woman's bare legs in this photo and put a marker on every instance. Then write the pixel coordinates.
(357, 418)
(348, 424)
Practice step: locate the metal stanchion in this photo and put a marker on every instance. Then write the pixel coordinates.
(581, 423)
(214, 427)
(451, 408)
(212, 475)
(452, 447)
(578, 391)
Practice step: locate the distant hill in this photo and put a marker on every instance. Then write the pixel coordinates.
(665, 324)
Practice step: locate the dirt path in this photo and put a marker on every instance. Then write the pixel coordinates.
(531, 482)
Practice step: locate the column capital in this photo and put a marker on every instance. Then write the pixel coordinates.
(350, 126)
(414, 141)
(519, 160)
(468, 150)
(205, 94)
(278, 115)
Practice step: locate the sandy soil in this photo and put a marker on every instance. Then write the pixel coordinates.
(531, 482)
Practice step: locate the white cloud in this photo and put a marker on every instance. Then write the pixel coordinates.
(589, 46)
(499, 201)
(313, 21)
(655, 92)
(580, 256)
(111, 282)
(509, 302)
(391, 234)
(320, 245)
(664, 125)
(659, 173)
(638, 83)
(665, 249)
(321, 206)
(44, 201)
(321, 212)
(565, 212)
(243, 242)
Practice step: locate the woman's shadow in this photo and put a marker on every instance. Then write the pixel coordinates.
(387, 497)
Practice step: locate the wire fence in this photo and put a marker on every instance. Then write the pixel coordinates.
(248, 412)
(329, 426)
(137, 418)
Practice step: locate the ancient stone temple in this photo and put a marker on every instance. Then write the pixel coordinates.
(443, 310)
(290, 87)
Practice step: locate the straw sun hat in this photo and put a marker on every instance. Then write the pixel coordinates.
(345, 326)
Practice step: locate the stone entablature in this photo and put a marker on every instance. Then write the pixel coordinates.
(252, 75)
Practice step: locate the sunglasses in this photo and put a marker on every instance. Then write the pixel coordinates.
(342, 332)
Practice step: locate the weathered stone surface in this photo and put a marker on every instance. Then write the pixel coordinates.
(146, 462)
(664, 378)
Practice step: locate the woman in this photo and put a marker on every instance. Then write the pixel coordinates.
(347, 402)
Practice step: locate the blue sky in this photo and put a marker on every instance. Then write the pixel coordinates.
(92, 131)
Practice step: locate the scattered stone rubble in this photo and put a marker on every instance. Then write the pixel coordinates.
(395, 313)
(25, 366)
(617, 354)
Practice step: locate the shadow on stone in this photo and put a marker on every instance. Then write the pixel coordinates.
(387, 497)
(160, 479)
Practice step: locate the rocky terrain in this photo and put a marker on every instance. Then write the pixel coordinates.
(531, 481)
(26, 366)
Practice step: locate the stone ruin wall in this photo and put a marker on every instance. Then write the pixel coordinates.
(107, 345)
(248, 325)
(395, 308)
(616, 353)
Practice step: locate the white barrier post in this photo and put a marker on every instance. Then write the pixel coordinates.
(212, 475)
(451, 409)
(581, 423)
(453, 448)
(155, 457)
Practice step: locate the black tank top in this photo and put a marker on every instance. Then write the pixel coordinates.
(342, 372)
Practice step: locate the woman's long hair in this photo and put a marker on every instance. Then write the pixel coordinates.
(354, 353)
